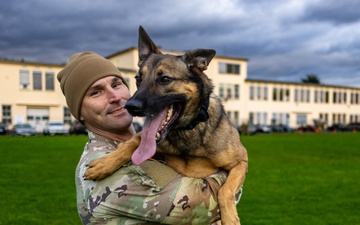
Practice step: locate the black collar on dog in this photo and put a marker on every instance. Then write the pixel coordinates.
(201, 117)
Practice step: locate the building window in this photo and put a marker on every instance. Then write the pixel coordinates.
(296, 97)
(287, 119)
(273, 119)
(24, 79)
(321, 96)
(301, 119)
(265, 118)
(281, 98)
(251, 118)
(258, 118)
(228, 91)
(308, 95)
(327, 97)
(315, 96)
(49, 81)
(258, 92)
(228, 113)
(339, 97)
(228, 68)
(221, 90)
(287, 95)
(236, 118)
(67, 115)
(236, 91)
(37, 82)
(265, 93)
(274, 94)
(6, 114)
(281, 118)
(302, 95)
(252, 92)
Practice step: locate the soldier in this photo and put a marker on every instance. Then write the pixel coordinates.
(96, 94)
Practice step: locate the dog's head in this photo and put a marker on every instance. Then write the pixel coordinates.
(173, 92)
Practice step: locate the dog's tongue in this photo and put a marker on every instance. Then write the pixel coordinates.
(147, 147)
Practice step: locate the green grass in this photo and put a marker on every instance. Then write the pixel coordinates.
(292, 179)
(302, 179)
(37, 179)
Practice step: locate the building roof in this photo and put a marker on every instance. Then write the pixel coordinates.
(20, 62)
(298, 83)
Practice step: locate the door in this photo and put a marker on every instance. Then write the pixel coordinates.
(37, 118)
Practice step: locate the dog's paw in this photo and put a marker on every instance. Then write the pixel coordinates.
(100, 168)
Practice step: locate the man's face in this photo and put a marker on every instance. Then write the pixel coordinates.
(103, 106)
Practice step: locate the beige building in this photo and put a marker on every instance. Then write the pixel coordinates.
(29, 92)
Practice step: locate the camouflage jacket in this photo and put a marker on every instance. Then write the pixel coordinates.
(131, 196)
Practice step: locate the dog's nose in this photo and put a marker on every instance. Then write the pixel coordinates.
(135, 107)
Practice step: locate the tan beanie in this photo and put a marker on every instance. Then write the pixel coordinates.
(83, 69)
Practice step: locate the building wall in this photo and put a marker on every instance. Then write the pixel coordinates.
(245, 100)
(29, 98)
(316, 102)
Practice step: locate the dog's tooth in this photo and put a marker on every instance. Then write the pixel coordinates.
(157, 135)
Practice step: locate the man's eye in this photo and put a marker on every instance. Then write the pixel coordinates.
(117, 84)
(93, 93)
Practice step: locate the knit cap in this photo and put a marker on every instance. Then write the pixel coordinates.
(83, 69)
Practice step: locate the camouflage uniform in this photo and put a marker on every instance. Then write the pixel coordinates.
(131, 196)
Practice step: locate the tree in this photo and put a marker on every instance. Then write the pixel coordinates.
(311, 79)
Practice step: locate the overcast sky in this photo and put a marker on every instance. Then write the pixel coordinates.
(283, 40)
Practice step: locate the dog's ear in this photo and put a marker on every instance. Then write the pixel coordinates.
(199, 57)
(146, 46)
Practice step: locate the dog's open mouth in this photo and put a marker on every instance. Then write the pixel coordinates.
(172, 114)
(155, 129)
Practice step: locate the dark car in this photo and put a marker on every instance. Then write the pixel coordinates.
(3, 129)
(353, 126)
(337, 127)
(307, 128)
(77, 128)
(281, 128)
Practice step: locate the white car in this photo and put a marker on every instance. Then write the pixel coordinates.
(53, 128)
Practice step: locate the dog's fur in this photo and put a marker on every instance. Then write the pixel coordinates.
(199, 138)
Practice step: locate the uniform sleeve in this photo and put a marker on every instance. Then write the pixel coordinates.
(132, 196)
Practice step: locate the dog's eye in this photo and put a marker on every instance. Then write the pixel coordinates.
(138, 80)
(165, 80)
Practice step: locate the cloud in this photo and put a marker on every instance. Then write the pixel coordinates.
(283, 39)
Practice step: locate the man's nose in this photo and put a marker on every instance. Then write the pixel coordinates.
(113, 96)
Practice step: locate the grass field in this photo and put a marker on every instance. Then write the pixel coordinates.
(293, 179)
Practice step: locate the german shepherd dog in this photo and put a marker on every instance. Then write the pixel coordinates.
(184, 122)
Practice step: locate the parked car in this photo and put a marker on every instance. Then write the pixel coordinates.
(77, 128)
(337, 127)
(137, 126)
(53, 128)
(23, 129)
(3, 129)
(353, 126)
(307, 128)
(281, 128)
(254, 129)
(262, 129)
